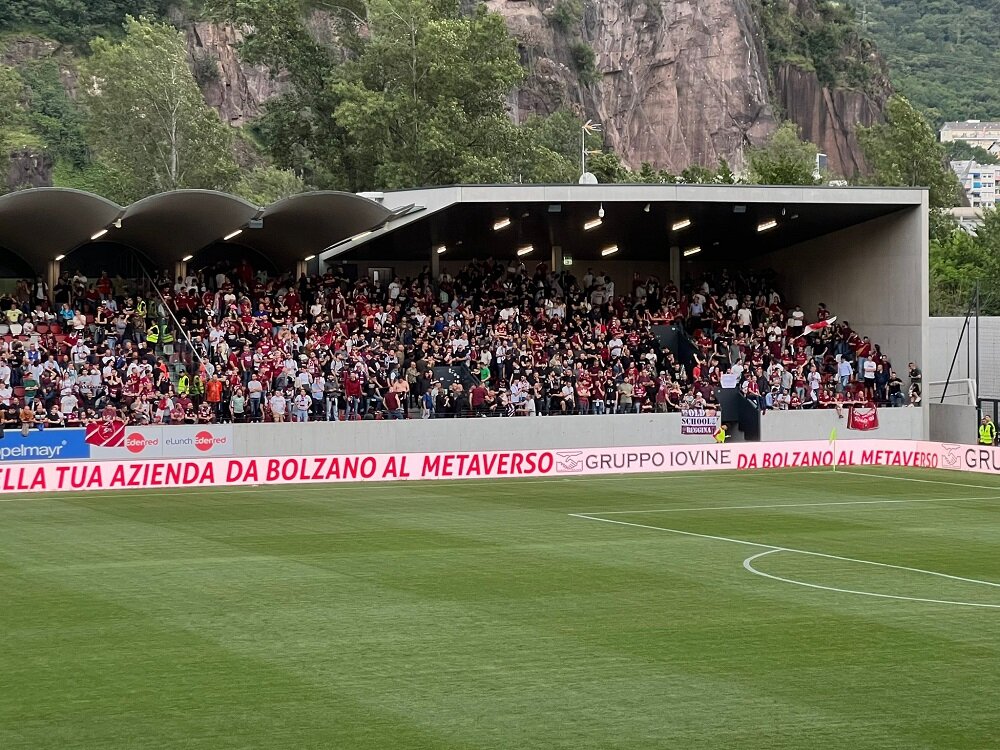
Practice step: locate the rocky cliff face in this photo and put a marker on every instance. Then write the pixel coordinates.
(828, 118)
(679, 82)
(236, 90)
(675, 82)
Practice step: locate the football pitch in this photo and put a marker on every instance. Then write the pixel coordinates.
(771, 609)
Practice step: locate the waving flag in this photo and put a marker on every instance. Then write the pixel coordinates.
(106, 433)
(819, 325)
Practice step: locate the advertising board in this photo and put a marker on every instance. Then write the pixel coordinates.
(43, 445)
(234, 471)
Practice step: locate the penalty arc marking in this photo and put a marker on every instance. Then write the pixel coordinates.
(748, 564)
(772, 548)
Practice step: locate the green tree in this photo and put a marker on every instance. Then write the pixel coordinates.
(784, 160)
(904, 151)
(11, 97)
(963, 150)
(147, 120)
(424, 103)
(266, 185)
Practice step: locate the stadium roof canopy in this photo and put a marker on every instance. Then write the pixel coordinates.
(727, 222)
(38, 225)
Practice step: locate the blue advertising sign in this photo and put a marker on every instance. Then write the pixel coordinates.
(44, 445)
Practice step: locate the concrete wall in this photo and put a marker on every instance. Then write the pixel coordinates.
(953, 423)
(444, 435)
(894, 424)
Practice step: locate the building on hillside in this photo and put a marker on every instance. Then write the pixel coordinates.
(978, 181)
(975, 132)
(969, 219)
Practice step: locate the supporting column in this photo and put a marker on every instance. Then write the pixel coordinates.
(301, 267)
(435, 263)
(675, 266)
(557, 259)
(180, 270)
(52, 276)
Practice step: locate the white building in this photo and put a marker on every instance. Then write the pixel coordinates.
(975, 132)
(978, 181)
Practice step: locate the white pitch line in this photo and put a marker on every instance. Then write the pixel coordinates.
(775, 548)
(924, 481)
(786, 505)
(748, 565)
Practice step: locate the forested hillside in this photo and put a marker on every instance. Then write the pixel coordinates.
(943, 54)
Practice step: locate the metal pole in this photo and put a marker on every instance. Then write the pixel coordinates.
(979, 403)
(583, 150)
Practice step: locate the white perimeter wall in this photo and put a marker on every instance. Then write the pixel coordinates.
(444, 435)
(893, 424)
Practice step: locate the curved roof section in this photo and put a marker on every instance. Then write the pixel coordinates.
(169, 226)
(39, 224)
(308, 223)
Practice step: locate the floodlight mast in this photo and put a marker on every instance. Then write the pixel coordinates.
(588, 127)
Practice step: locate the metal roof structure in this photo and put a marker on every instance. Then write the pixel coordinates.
(40, 225)
(724, 221)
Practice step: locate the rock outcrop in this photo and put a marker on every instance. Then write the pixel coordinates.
(679, 82)
(827, 117)
(27, 168)
(236, 90)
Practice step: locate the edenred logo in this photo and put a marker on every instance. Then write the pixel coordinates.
(136, 443)
(205, 441)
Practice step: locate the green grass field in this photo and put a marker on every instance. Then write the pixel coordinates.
(484, 615)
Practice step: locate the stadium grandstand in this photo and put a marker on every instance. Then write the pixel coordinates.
(196, 307)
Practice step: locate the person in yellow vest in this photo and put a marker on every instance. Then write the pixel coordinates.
(987, 432)
(140, 308)
(167, 336)
(197, 388)
(183, 384)
(153, 335)
(720, 434)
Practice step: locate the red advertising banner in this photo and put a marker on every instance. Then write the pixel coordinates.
(54, 476)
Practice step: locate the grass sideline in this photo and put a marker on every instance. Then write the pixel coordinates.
(615, 612)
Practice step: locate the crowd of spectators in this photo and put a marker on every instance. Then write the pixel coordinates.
(246, 347)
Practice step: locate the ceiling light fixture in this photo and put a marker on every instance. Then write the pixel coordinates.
(691, 251)
(59, 258)
(769, 224)
(682, 224)
(360, 235)
(441, 249)
(609, 251)
(646, 209)
(592, 224)
(600, 211)
(308, 258)
(186, 258)
(521, 251)
(502, 224)
(98, 235)
(232, 234)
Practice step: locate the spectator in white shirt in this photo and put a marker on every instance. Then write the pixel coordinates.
(279, 407)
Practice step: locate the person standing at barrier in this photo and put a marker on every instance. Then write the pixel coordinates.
(213, 395)
(987, 431)
(255, 391)
(301, 404)
(27, 420)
